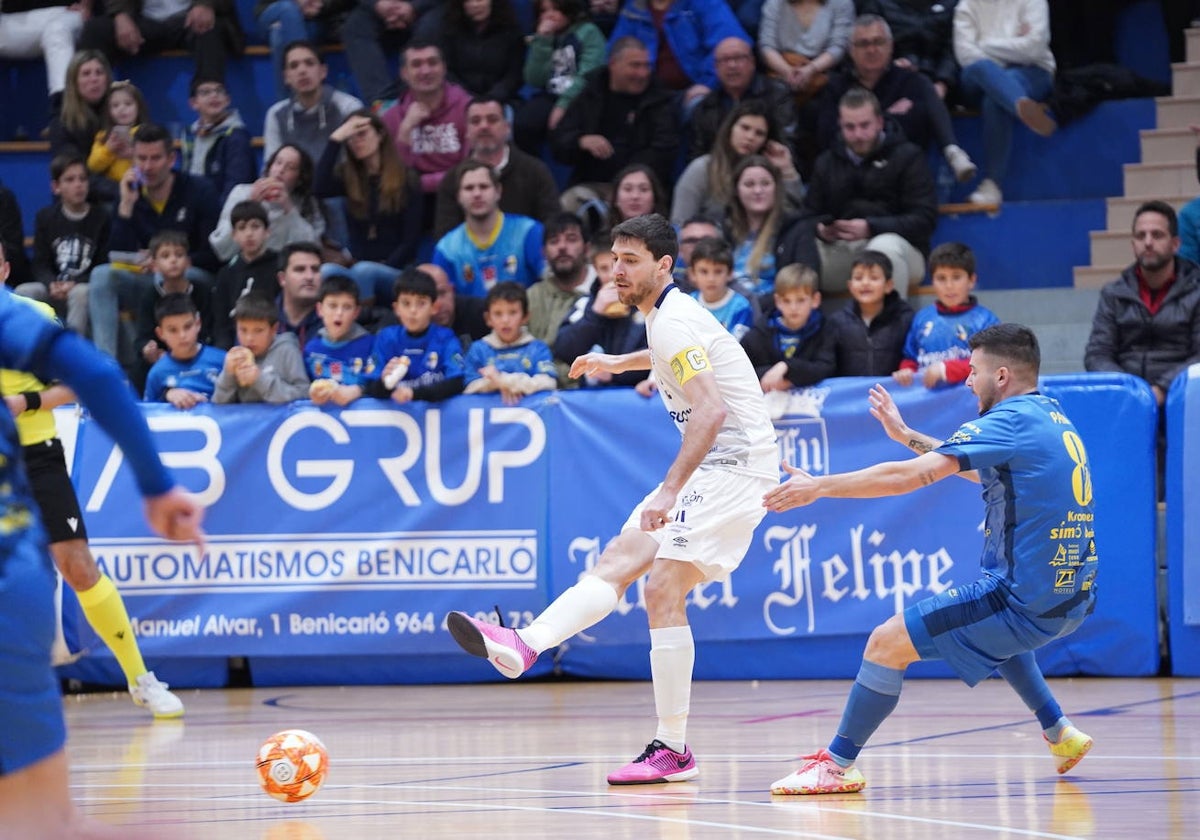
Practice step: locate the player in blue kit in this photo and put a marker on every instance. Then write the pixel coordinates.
(491, 246)
(1038, 584)
(34, 796)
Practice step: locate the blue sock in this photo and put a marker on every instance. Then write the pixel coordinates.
(1023, 674)
(874, 695)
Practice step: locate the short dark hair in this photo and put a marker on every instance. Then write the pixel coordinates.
(1163, 209)
(152, 133)
(61, 163)
(1012, 343)
(561, 223)
(414, 281)
(652, 230)
(713, 250)
(338, 284)
(487, 99)
(508, 290)
(952, 255)
(300, 44)
(246, 211)
(255, 307)
(285, 255)
(3, 254)
(470, 165)
(176, 303)
(857, 97)
(177, 238)
(870, 258)
(206, 79)
(421, 44)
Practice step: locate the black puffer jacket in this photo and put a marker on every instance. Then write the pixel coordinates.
(858, 349)
(891, 188)
(1126, 337)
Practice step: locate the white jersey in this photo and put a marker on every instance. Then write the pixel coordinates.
(685, 339)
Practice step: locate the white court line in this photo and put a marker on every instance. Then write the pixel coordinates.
(503, 761)
(399, 787)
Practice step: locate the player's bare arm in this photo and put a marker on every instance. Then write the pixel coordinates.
(589, 364)
(708, 413)
(890, 478)
(883, 408)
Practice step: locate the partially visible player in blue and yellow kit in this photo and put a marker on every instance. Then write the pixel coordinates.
(35, 802)
(1038, 580)
(31, 403)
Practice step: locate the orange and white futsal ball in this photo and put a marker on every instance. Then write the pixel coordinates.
(292, 765)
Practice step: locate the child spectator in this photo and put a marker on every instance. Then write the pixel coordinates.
(217, 144)
(417, 359)
(601, 322)
(710, 272)
(169, 255)
(936, 347)
(339, 357)
(187, 375)
(785, 345)
(286, 192)
(266, 366)
(563, 49)
(867, 336)
(252, 270)
(509, 359)
(112, 148)
(69, 238)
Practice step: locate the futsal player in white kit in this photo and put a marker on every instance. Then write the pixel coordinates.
(694, 527)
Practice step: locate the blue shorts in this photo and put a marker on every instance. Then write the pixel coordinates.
(29, 697)
(975, 630)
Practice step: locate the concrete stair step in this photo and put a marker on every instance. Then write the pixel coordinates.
(1061, 318)
(1168, 145)
(1109, 247)
(1185, 79)
(1041, 306)
(1120, 210)
(1154, 179)
(1193, 45)
(1176, 111)
(1097, 276)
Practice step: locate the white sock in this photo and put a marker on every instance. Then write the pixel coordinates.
(578, 608)
(672, 656)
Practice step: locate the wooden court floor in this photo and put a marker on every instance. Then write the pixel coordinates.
(529, 759)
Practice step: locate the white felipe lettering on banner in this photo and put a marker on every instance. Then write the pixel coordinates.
(895, 575)
(340, 471)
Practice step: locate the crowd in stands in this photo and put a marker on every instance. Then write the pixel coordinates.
(413, 244)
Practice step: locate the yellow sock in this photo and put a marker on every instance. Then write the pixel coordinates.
(105, 611)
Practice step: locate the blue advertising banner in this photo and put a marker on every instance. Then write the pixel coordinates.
(329, 531)
(1183, 529)
(338, 539)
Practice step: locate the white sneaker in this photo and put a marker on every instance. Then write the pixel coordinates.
(960, 162)
(986, 193)
(152, 694)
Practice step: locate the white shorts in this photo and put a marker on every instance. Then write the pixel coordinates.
(713, 520)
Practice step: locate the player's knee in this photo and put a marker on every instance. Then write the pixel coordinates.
(888, 644)
(76, 564)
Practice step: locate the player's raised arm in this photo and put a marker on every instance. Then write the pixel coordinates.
(890, 478)
(883, 408)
